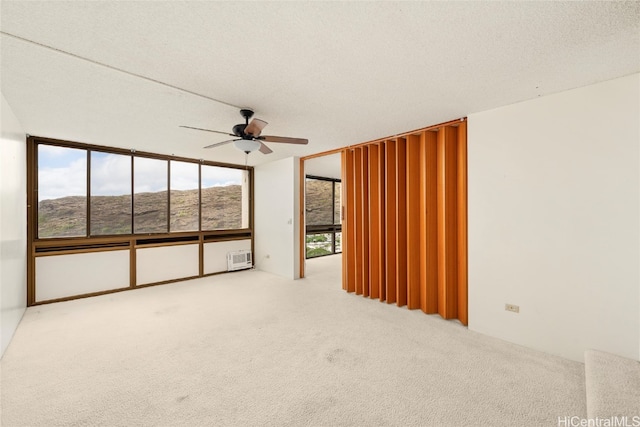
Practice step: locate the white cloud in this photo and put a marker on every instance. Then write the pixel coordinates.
(184, 176)
(110, 174)
(213, 176)
(56, 182)
(149, 175)
(52, 151)
(62, 173)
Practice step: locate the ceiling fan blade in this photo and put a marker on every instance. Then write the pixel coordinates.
(218, 144)
(208, 130)
(264, 149)
(284, 139)
(255, 127)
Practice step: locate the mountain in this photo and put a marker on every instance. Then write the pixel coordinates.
(111, 215)
(221, 210)
(319, 202)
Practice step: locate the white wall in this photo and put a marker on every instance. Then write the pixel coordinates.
(329, 166)
(277, 218)
(215, 254)
(554, 195)
(158, 264)
(60, 276)
(13, 224)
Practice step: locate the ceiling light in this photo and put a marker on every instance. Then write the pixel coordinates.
(247, 145)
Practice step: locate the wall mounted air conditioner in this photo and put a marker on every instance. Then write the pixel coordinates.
(239, 260)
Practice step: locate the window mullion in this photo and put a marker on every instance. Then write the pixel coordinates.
(168, 196)
(88, 224)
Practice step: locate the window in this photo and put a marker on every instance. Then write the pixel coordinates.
(127, 209)
(62, 191)
(110, 194)
(323, 210)
(150, 197)
(184, 197)
(319, 202)
(337, 203)
(225, 198)
(130, 193)
(319, 244)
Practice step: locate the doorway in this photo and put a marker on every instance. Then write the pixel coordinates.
(321, 219)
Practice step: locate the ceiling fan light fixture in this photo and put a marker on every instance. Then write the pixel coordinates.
(247, 145)
(248, 136)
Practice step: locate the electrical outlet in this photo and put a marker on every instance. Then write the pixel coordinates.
(512, 307)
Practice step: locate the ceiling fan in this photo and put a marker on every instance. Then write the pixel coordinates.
(247, 135)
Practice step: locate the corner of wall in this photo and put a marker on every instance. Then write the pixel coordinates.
(277, 223)
(13, 214)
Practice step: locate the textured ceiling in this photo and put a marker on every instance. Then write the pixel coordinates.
(337, 73)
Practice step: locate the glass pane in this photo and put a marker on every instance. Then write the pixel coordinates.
(319, 202)
(318, 244)
(184, 197)
(62, 191)
(151, 198)
(225, 195)
(338, 242)
(110, 194)
(337, 204)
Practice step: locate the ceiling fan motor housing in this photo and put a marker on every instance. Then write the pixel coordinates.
(238, 130)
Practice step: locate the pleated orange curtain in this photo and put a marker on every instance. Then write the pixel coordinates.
(404, 220)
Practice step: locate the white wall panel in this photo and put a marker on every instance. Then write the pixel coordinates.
(13, 224)
(554, 199)
(277, 217)
(166, 263)
(59, 276)
(215, 254)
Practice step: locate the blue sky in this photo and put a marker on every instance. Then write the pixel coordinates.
(62, 172)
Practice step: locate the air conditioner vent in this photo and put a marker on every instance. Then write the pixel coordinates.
(239, 260)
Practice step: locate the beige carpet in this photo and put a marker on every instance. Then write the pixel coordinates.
(612, 386)
(253, 349)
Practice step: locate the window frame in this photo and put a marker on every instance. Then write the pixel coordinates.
(90, 195)
(95, 243)
(331, 229)
(32, 188)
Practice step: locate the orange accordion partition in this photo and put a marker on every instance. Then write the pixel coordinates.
(405, 220)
